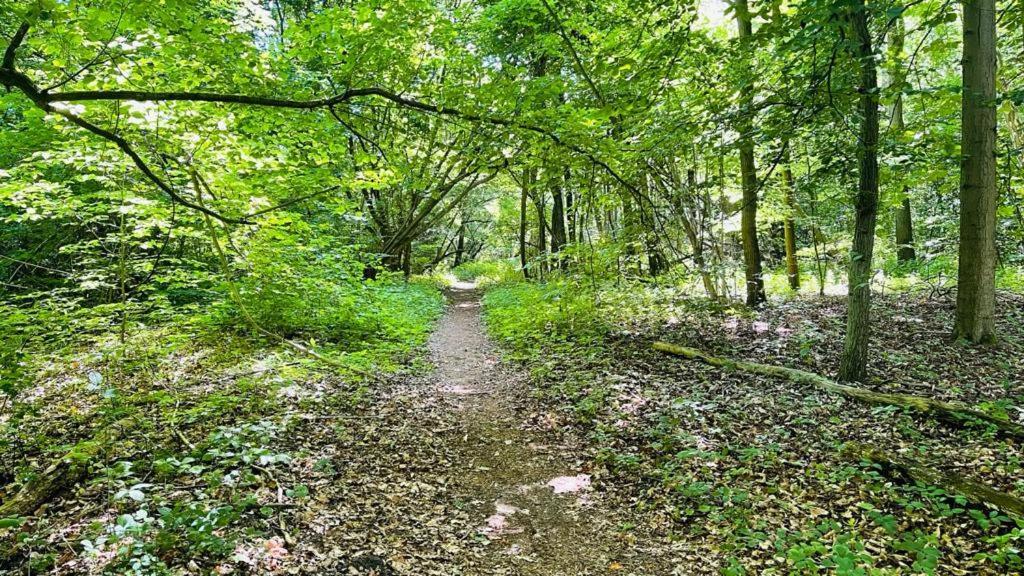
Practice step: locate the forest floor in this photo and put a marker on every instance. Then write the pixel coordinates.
(467, 478)
(237, 465)
(747, 472)
(567, 447)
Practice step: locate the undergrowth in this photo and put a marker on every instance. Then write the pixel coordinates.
(208, 398)
(587, 348)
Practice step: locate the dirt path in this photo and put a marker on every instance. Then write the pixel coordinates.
(456, 473)
(535, 503)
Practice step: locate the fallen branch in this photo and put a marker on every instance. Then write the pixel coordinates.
(973, 491)
(949, 411)
(62, 474)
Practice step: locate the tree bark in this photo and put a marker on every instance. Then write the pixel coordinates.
(407, 260)
(62, 474)
(558, 237)
(975, 301)
(789, 225)
(460, 245)
(694, 233)
(524, 193)
(904, 220)
(542, 225)
(905, 231)
(748, 171)
(972, 490)
(953, 412)
(570, 210)
(853, 367)
(631, 231)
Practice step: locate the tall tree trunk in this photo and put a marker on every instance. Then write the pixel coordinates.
(524, 193)
(789, 225)
(631, 231)
(570, 210)
(975, 300)
(460, 245)
(694, 233)
(748, 171)
(557, 223)
(407, 260)
(542, 226)
(858, 317)
(656, 262)
(905, 230)
(904, 218)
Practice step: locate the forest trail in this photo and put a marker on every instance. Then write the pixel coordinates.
(535, 504)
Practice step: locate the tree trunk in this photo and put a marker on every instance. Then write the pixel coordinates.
(631, 231)
(570, 210)
(525, 192)
(407, 260)
(557, 223)
(748, 170)
(792, 265)
(656, 262)
(542, 226)
(460, 245)
(853, 367)
(904, 220)
(694, 233)
(905, 231)
(975, 300)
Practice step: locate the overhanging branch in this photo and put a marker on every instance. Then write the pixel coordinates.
(11, 78)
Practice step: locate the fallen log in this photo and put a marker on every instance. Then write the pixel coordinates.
(63, 474)
(972, 490)
(949, 411)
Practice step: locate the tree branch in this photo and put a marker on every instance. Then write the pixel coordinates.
(344, 97)
(142, 166)
(19, 37)
(12, 78)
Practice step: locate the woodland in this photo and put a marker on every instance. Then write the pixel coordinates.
(512, 287)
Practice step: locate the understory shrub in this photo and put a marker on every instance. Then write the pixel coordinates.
(486, 272)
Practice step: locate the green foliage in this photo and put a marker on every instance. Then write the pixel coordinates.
(454, 131)
(300, 283)
(559, 313)
(486, 272)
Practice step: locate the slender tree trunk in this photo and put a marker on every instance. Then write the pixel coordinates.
(570, 214)
(858, 317)
(905, 230)
(904, 217)
(748, 171)
(557, 223)
(975, 301)
(656, 263)
(1020, 225)
(460, 245)
(631, 231)
(818, 237)
(694, 233)
(792, 265)
(524, 193)
(720, 247)
(407, 260)
(542, 226)
(776, 251)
